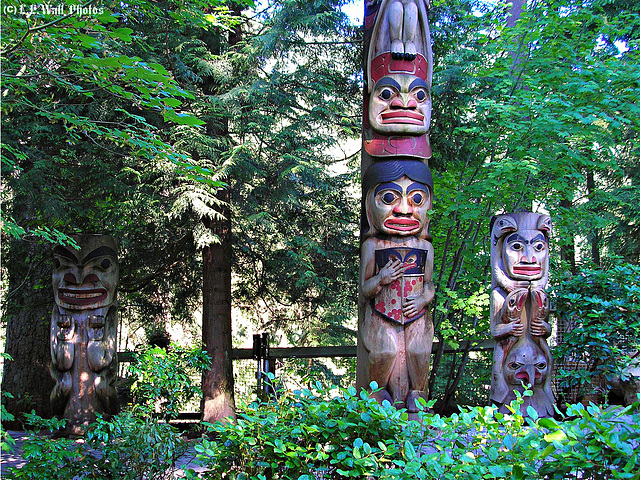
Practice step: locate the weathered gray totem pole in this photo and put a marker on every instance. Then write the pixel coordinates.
(520, 310)
(395, 330)
(83, 330)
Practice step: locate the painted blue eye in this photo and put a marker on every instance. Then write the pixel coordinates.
(417, 198)
(421, 95)
(388, 198)
(386, 94)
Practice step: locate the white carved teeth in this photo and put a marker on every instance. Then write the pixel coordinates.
(83, 295)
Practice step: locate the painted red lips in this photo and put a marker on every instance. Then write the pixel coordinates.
(402, 224)
(74, 296)
(527, 270)
(402, 116)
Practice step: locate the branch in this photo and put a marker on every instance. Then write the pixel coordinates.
(43, 27)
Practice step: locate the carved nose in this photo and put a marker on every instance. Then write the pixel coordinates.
(403, 208)
(91, 278)
(70, 278)
(404, 102)
(78, 278)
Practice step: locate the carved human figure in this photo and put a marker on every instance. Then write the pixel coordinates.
(83, 330)
(396, 264)
(520, 310)
(399, 75)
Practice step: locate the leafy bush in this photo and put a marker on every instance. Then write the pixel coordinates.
(127, 447)
(600, 310)
(164, 379)
(303, 436)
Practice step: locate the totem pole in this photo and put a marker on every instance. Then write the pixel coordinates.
(395, 330)
(83, 331)
(520, 310)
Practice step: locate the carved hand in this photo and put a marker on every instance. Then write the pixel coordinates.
(412, 306)
(516, 327)
(391, 272)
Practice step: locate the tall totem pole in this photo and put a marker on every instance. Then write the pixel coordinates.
(520, 310)
(395, 330)
(83, 331)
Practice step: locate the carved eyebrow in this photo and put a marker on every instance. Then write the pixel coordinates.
(100, 252)
(388, 82)
(418, 82)
(63, 252)
(418, 186)
(516, 236)
(539, 237)
(388, 186)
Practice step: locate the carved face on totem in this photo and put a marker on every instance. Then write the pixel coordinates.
(398, 197)
(88, 278)
(526, 364)
(525, 254)
(400, 207)
(400, 104)
(520, 247)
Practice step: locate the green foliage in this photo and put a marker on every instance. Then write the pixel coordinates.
(126, 447)
(302, 434)
(165, 379)
(345, 435)
(7, 443)
(600, 311)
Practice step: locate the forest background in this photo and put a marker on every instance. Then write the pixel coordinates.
(209, 138)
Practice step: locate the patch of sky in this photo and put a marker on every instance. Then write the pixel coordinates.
(355, 11)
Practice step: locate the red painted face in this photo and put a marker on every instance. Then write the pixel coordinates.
(400, 104)
(87, 283)
(525, 255)
(399, 207)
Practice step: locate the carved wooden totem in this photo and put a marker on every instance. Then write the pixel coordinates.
(83, 330)
(520, 310)
(395, 330)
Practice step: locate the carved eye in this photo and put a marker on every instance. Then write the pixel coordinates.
(517, 246)
(421, 95)
(56, 263)
(106, 263)
(541, 365)
(389, 197)
(386, 93)
(417, 198)
(512, 301)
(539, 246)
(514, 365)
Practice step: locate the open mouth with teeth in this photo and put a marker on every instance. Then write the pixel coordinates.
(528, 270)
(402, 116)
(82, 297)
(402, 224)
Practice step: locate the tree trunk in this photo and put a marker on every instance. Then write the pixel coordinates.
(27, 314)
(515, 11)
(217, 383)
(594, 239)
(568, 251)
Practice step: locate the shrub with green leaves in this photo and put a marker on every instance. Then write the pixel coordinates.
(601, 311)
(332, 434)
(164, 380)
(127, 447)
